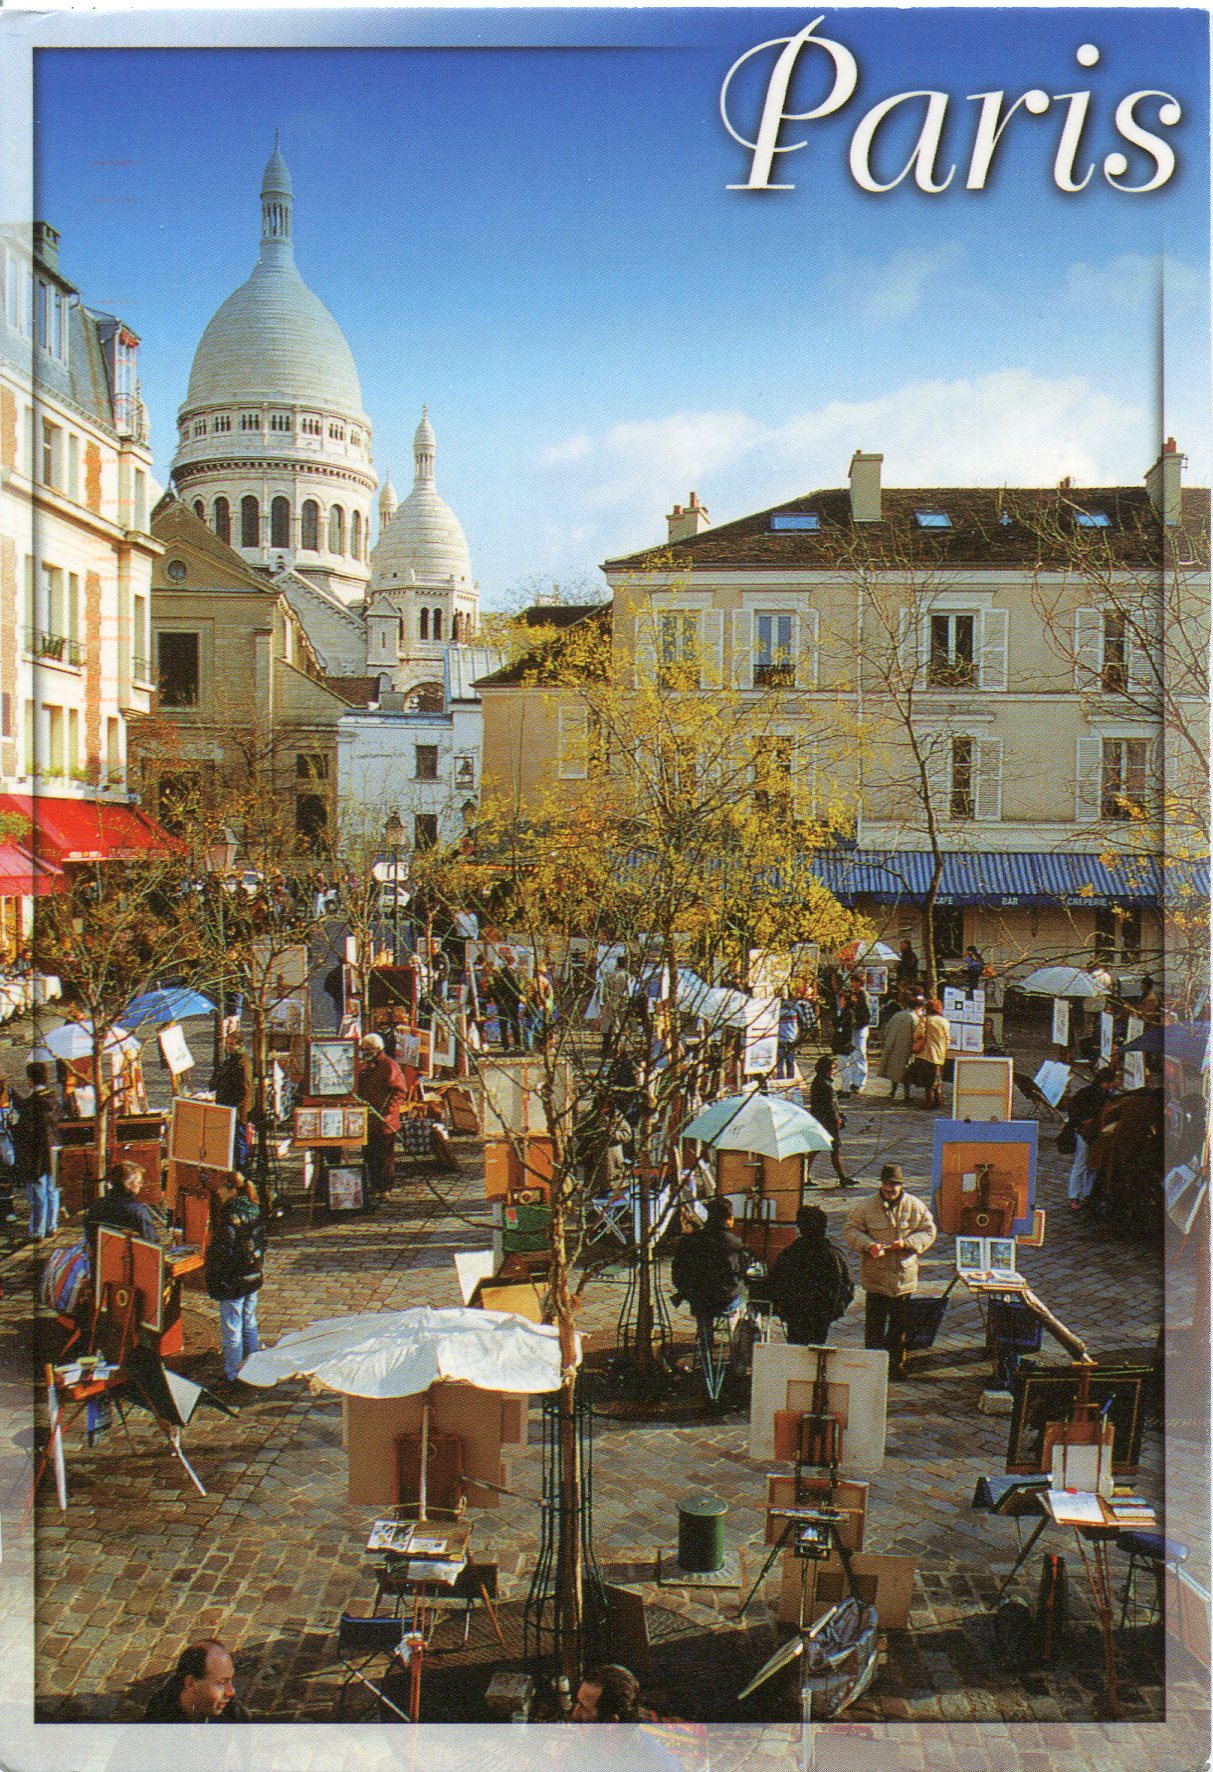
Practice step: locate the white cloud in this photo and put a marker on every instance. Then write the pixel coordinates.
(1130, 281)
(574, 448)
(892, 290)
(1007, 427)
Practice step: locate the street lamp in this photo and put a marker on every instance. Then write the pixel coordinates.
(393, 836)
(221, 854)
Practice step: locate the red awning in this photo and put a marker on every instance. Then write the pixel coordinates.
(62, 830)
(23, 877)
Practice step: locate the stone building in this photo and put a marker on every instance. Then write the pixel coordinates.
(1030, 637)
(274, 448)
(76, 556)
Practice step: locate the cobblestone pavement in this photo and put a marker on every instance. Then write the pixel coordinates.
(141, 1563)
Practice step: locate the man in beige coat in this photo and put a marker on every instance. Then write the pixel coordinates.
(890, 1230)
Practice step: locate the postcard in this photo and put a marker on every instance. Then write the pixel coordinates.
(841, 374)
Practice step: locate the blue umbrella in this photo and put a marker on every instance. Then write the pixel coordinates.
(166, 1003)
(1186, 1041)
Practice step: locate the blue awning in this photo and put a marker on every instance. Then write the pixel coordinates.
(1005, 877)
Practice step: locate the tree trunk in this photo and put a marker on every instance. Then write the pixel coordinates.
(568, 1598)
(101, 1115)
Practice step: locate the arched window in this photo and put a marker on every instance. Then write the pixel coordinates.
(250, 522)
(309, 533)
(223, 520)
(456, 625)
(437, 624)
(356, 535)
(336, 530)
(200, 509)
(423, 632)
(280, 523)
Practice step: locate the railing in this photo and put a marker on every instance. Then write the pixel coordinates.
(141, 670)
(56, 648)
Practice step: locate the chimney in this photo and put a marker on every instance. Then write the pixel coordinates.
(46, 245)
(686, 523)
(865, 487)
(1163, 483)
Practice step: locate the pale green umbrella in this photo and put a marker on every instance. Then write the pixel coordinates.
(763, 1125)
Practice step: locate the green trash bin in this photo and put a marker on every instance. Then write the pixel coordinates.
(701, 1534)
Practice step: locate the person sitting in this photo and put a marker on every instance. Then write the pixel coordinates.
(200, 1689)
(120, 1207)
(810, 1281)
(708, 1268)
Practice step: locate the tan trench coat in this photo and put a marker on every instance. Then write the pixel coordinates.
(871, 1221)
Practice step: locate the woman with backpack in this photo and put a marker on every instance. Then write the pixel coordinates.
(235, 1259)
(810, 1281)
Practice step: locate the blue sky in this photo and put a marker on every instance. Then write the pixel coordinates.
(538, 240)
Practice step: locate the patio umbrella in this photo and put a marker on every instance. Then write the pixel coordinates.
(763, 1125)
(75, 1040)
(166, 1003)
(856, 951)
(1186, 1041)
(1061, 981)
(404, 1353)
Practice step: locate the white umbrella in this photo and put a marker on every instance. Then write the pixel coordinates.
(1061, 981)
(403, 1353)
(763, 1125)
(75, 1039)
(856, 951)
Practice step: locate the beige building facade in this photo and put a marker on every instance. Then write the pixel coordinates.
(990, 672)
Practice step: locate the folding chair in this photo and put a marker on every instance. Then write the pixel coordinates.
(363, 1641)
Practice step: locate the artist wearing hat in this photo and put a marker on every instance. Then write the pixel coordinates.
(384, 1088)
(890, 1230)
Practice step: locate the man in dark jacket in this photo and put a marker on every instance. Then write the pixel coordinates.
(708, 1268)
(200, 1689)
(33, 1132)
(1085, 1112)
(823, 1105)
(120, 1207)
(810, 1281)
(232, 1082)
(235, 1260)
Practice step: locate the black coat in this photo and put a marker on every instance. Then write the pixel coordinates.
(120, 1211)
(236, 1253)
(33, 1134)
(708, 1268)
(823, 1105)
(809, 1282)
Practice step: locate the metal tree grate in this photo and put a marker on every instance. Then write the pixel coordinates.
(543, 1628)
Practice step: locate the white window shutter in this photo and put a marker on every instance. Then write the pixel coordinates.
(937, 755)
(711, 641)
(993, 649)
(804, 777)
(644, 646)
(743, 649)
(907, 661)
(805, 649)
(572, 741)
(987, 800)
(1088, 649)
(1088, 779)
(1143, 663)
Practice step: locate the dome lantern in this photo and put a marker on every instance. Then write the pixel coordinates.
(277, 200)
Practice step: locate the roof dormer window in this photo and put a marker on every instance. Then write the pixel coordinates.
(1092, 519)
(785, 520)
(932, 519)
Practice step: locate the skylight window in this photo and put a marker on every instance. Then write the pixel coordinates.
(1093, 519)
(932, 519)
(795, 520)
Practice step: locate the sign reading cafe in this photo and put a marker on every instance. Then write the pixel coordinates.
(1069, 123)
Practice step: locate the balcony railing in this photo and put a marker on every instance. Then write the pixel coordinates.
(54, 648)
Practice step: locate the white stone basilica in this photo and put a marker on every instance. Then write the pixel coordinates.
(274, 456)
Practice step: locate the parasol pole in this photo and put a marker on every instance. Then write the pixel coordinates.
(425, 1452)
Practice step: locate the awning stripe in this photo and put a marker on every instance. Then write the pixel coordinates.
(1006, 878)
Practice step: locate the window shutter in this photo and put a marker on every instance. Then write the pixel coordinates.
(907, 660)
(987, 800)
(711, 641)
(1143, 662)
(1088, 649)
(993, 648)
(572, 740)
(1088, 779)
(743, 649)
(804, 777)
(644, 646)
(804, 632)
(937, 754)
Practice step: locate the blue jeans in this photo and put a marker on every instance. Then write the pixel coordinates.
(785, 1058)
(238, 1328)
(1082, 1176)
(43, 1198)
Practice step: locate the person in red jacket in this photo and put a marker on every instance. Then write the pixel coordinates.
(384, 1088)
